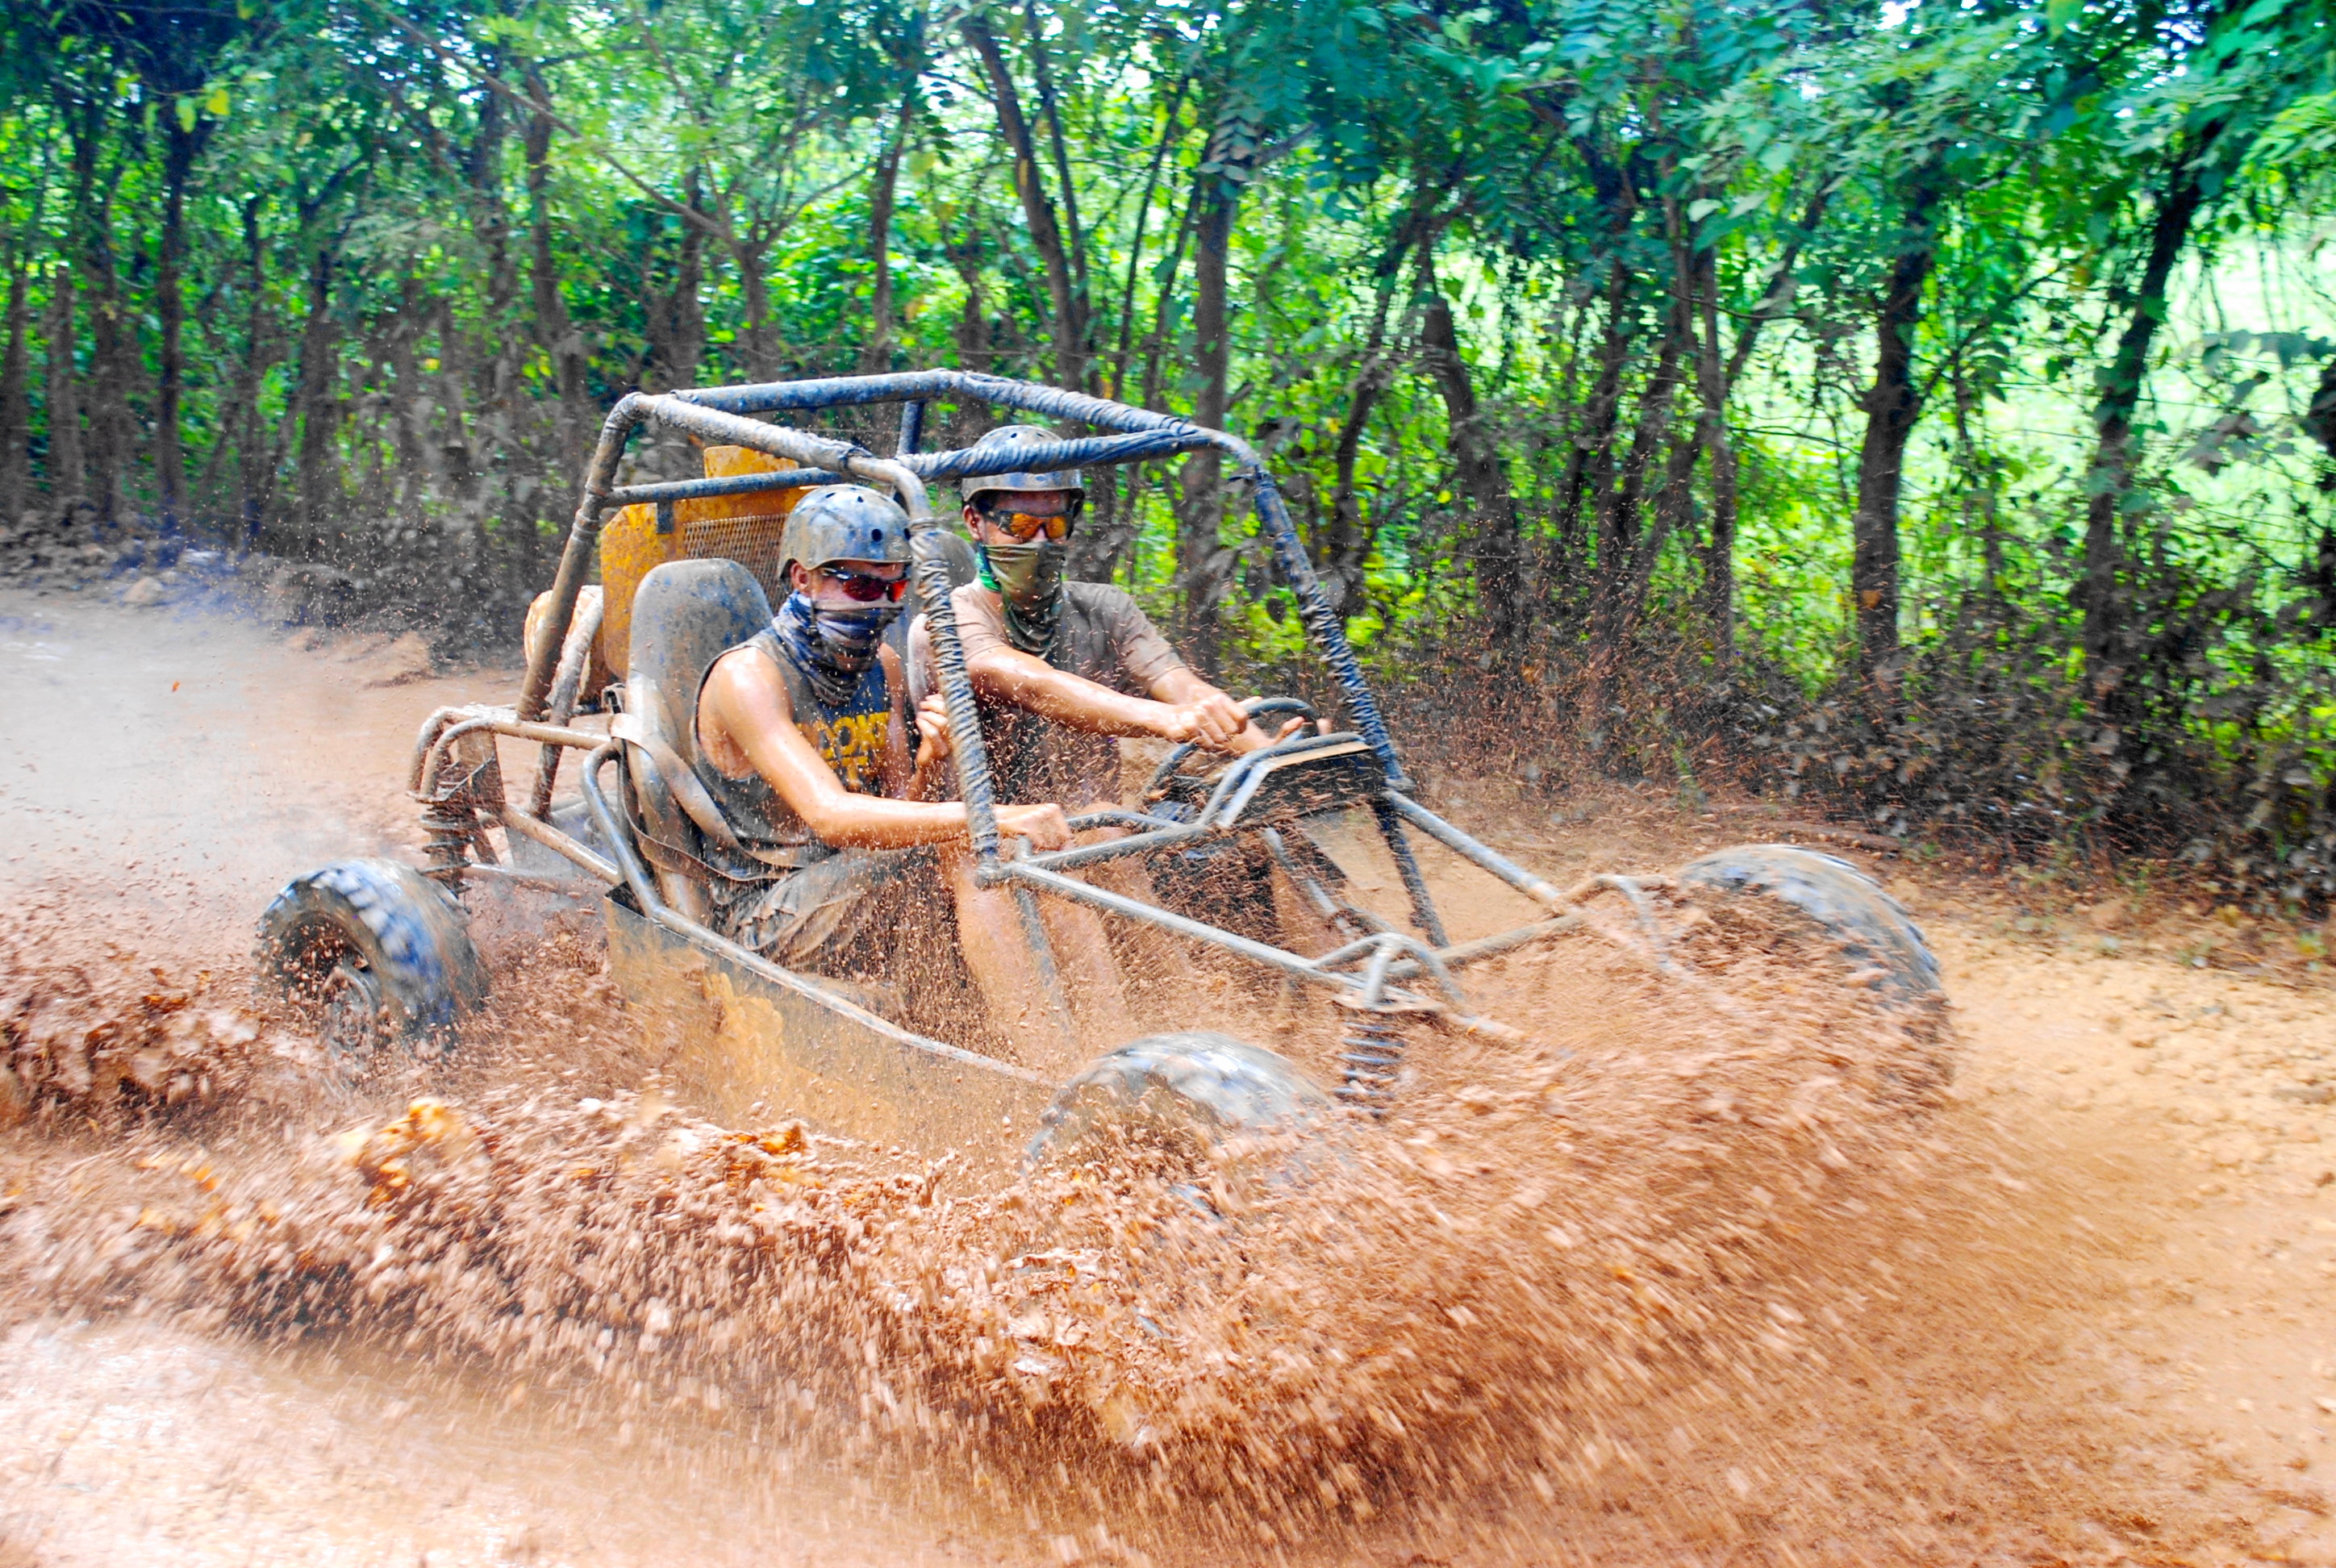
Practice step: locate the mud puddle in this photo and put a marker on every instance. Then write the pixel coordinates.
(182, 765)
(1639, 1292)
(123, 1441)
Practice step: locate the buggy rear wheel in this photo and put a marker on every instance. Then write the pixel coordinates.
(374, 955)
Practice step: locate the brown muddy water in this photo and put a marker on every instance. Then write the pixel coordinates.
(1700, 1271)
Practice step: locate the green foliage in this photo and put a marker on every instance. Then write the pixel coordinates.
(426, 243)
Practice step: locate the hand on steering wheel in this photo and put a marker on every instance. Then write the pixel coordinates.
(1214, 722)
(1251, 712)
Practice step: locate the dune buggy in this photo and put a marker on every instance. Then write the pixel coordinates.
(380, 954)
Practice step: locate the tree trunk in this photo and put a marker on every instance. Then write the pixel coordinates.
(318, 408)
(1674, 503)
(106, 451)
(458, 451)
(876, 352)
(1891, 405)
(255, 465)
(410, 401)
(180, 147)
(971, 333)
(109, 422)
(490, 220)
(555, 331)
(15, 407)
(1590, 466)
(1202, 566)
(1979, 483)
(1043, 77)
(2110, 477)
(1168, 133)
(1350, 544)
(68, 479)
(1477, 458)
(1156, 342)
(1067, 329)
(1716, 594)
(677, 318)
(1621, 500)
(762, 356)
(1614, 584)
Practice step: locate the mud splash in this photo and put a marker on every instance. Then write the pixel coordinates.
(88, 1029)
(1608, 1262)
(1706, 1272)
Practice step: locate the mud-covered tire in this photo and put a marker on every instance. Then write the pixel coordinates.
(1196, 1100)
(1873, 929)
(376, 953)
(1875, 935)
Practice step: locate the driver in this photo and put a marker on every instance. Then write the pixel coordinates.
(1063, 667)
(802, 740)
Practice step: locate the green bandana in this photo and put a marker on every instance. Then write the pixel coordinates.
(1028, 580)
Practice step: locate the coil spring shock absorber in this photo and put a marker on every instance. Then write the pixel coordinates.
(466, 782)
(1371, 1056)
(451, 823)
(1370, 1053)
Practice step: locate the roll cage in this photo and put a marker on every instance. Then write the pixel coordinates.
(1382, 971)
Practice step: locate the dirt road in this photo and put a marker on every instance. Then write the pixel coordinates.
(2127, 1355)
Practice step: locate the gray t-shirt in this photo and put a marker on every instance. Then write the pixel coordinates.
(1102, 636)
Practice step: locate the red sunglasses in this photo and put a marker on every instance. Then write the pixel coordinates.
(866, 587)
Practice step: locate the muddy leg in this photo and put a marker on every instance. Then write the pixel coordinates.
(989, 931)
(1154, 955)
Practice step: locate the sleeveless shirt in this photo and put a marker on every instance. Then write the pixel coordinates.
(849, 738)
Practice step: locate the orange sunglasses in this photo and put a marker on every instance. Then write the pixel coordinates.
(1023, 527)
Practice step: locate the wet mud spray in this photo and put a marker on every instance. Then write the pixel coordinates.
(1707, 1269)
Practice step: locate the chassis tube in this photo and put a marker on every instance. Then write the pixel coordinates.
(576, 555)
(1465, 953)
(1114, 848)
(708, 489)
(517, 729)
(1082, 892)
(1406, 866)
(1538, 889)
(778, 440)
(561, 845)
(966, 746)
(629, 860)
(929, 385)
(1314, 609)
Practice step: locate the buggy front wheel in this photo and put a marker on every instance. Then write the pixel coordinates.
(1203, 1110)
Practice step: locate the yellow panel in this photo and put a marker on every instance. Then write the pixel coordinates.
(741, 528)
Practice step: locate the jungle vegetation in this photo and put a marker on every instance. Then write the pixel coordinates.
(1929, 405)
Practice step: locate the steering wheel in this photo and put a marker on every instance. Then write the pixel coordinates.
(1257, 707)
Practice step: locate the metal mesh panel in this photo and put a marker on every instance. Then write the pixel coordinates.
(752, 541)
(745, 528)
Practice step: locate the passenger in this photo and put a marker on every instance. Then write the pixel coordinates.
(803, 736)
(1064, 669)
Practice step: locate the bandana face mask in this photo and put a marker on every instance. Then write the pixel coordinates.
(834, 644)
(1030, 578)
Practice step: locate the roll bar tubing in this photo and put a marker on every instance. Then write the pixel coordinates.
(717, 414)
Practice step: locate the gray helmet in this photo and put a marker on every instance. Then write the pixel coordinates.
(844, 522)
(1018, 437)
